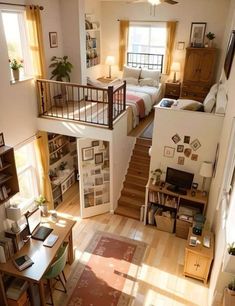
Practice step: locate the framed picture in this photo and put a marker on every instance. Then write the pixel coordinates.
(2, 143)
(95, 143)
(99, 181)
(186, 139)
(98, 158)
(194, 157)
(197, 34)
(187, 152)
(87, 153)
(216, 160)
(176, 138)
(53, 39)
(229, 55)
(180, 45)
(169, 152)
(180, 148)
(195, 145)
(106, 176)
(181, 160)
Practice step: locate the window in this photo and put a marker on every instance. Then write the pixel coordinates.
(147, 38)
(26, 171)
(16, 38)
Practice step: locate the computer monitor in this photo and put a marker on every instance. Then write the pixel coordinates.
(179, 180)
(33, 220)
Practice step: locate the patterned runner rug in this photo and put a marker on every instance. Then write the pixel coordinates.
(106, 273)
(148, 131)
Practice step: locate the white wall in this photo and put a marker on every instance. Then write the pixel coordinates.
(202, 126)
(214, 12)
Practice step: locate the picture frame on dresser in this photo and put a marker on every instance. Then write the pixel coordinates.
(197, 34)
(229, 55)
(2, 142)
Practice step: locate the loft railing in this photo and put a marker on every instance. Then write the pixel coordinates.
(87, 104)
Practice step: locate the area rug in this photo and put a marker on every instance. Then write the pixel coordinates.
(148, 131)
(106, 273)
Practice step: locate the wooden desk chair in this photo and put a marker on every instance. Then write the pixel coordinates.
(56, 269)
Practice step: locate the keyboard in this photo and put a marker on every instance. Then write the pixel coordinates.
(41, 233)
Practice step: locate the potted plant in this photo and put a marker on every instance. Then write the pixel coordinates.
(231, 288)
(15, 67)
(229, 259)
(156, 176)
(42, 203)
(210, 36)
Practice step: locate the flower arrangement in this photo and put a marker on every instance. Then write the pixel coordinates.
(156, 176)
(15, 64)
(210, 36)
(41, 200)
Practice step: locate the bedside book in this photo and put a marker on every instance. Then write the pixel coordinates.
(22, 262)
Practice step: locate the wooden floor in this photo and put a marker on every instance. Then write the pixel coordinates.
(137, 131)
(160, 281)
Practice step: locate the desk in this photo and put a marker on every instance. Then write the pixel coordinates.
(42, 257)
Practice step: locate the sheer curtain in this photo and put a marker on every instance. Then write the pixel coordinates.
(123, 40)
(171, 29)
(34, 25)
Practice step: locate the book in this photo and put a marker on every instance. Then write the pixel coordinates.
(16, 288)
(23, 262)
(2, 255)
(50, 240)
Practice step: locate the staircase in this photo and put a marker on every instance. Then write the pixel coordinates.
(133, 192)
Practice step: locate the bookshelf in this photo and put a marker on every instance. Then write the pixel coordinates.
(9, 185)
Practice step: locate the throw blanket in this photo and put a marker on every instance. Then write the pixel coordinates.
(137, 102)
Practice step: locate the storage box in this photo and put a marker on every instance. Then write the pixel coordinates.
(182, 228)
(163, 223)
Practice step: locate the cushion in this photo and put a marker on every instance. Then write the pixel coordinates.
(132, 81)
(194, 106)
(214, 89)
(129, 72)
(153, 74)
(209, 102)
(148, 82)
(221, 100)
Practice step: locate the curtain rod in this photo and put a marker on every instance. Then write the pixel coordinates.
(148, 20)
(15, 4)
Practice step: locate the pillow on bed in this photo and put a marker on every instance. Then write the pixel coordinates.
(221, 100)
(132, 81)
(194, 106)
(152, 74)
(148, 82)
(209, 102)
(129, 72)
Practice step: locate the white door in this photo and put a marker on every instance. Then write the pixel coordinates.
(94, 171)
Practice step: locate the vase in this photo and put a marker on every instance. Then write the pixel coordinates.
(210, 43)
(16, 74)
(44, 210)
(229, 263)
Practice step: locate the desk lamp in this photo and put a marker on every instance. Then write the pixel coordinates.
(110, 62)
(176, 68)
(14, 213)
(206, 171)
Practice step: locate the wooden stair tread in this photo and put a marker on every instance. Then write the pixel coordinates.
(128, 212)
(128, 201)
(133, 185)
(138, 172)
(137, 179)
(141, 148)
(144, 142)
(133, 192)
(140, 165)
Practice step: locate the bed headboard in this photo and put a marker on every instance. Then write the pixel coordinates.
(145, 60)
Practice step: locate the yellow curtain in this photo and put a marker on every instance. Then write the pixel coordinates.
(171, 29)
(123, 39)
(42, 151)
(34, 25)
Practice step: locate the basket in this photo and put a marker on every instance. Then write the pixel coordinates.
(163, 223)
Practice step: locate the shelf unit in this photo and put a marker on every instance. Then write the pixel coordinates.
(160, 197)
(9, 185)
(92, 47)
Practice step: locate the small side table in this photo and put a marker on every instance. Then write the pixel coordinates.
(106, 80)
(198, 258)
(172, 90)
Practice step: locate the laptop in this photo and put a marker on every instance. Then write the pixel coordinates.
(37, 231)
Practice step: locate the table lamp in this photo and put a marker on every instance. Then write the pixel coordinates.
(14, 213)
(110, 62)
(206, 171)
(176, 68)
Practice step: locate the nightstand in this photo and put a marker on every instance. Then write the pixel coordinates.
(106, 80)
(198, 258)
(172, 90)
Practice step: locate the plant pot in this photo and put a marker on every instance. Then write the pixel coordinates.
(44, 210)
(229, 263)
(210, 43)
(229, 297)
(16, 74)
(231, 293)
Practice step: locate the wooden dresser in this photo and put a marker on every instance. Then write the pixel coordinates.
(198, 73)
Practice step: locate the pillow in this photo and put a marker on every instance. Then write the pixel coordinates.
(148, 82)
(129, 72)
(209, 102)
(194, 106)
(221, 100)
(214, 89)
(132, 81)
(153, 74)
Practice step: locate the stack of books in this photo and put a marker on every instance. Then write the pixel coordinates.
(16, 288)
(6, 249)
(23, 262)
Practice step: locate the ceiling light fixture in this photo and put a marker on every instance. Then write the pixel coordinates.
(153, 3)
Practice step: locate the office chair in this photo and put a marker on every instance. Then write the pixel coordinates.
(56, 269)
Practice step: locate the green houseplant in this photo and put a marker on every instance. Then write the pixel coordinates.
(42, 203)
(231, 288)
(61, 68)
(15, 66)
(210, 36)
(231, 248)
(229, 258)
(156, 176)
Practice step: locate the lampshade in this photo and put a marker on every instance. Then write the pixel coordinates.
(13, 213)
(206, 169)
(110, 60)
(175, 67)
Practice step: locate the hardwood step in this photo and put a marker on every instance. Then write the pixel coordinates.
(132, 185)
(136, 179)
(141, 148)
(144, 142)
(128, 212)
(130, 202)
(139, 165)
(139, 172)
(140, 159)
(140, 153)
(133, 193)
